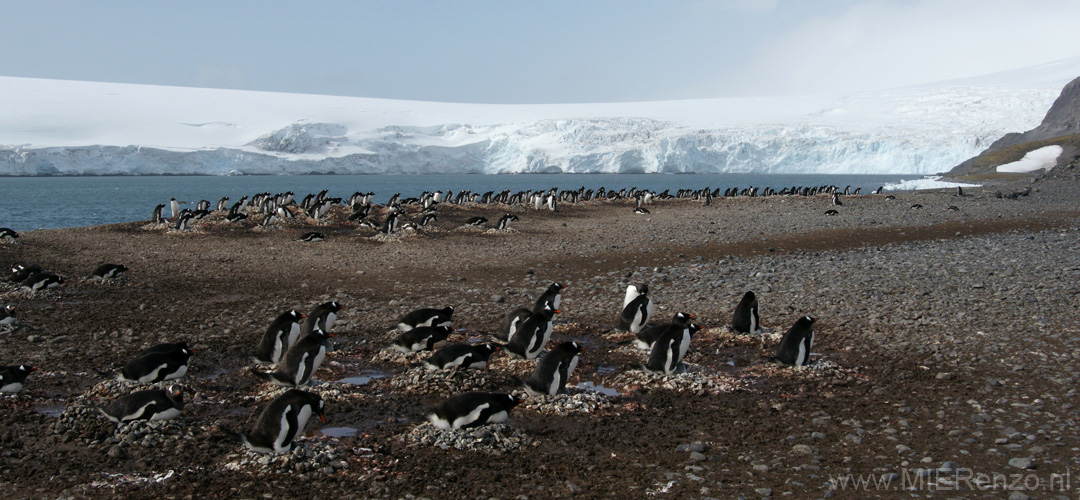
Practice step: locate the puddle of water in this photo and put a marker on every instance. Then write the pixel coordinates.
(53, 411)
(212, 375)
(605, 370)
(590, 386)
(364, 378)
(334, 432)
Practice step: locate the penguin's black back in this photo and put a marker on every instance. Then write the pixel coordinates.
(743, 317)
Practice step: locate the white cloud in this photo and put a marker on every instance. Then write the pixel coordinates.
(885, 44)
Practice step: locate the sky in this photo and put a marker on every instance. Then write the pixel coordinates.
(535, 52)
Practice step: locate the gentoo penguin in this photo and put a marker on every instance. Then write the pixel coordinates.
(637, 308)
(312, 237)
(300, 361)
(282, 334)
(41, 281)
(514, 320)
(282, 420)
(109, 271)
(183, 222)
(165, 347)
(175, 206)
(323, 317)
(916, 206)
(426, 317)
(19, 272)
(13, 377)
(473, 409)
(648, 335)
(476, 221)
(551, 373)
(8, 235)
(7, 317)
(156, 217)
(796, 344)
(746, 319)
(504, 221)
(390, 224)
(831, 212)
(461, 356)
(151, 404)
(156, 366)
(421, 338)
(533, 334)
(641, 211)
(668, 350)
(836, 200)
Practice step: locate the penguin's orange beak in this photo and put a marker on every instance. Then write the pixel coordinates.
(329, 335)
(558, 311)
(302, 316)
(322, 417)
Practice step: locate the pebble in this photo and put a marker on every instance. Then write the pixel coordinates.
(1022, 463)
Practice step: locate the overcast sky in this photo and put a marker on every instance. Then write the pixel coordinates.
(540, 51)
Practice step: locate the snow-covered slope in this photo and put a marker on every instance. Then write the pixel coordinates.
(66, 127)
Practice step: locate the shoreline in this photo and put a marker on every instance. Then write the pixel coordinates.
(921, 312)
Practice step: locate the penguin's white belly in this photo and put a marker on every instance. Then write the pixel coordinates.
(169, 414)
(180, 372)
(280, 446)
(301, 371)
(12, 387)
(570, 369)
(471, 417)
(152, 375)
(556, 381)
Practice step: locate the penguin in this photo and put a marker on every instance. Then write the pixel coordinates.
(109, 271)
(156, 366)
(476, 221)
(504, 221)
(166, 347)
(473, 409)
(668, 350)
(156, 217)
(151, 404)
(390, 224)
(175, 206)
(282, 420)
(461, 356)
(284, 331)
(553, 294)
(7, 317)
(533, 334)
(312, 237)
(300, 361)
(642, 211)
(12, 378)
(183, 221)
(916, 206)
(647, 336)
(511, 323)
(552, 371)
(960, 191)
(421, 338)
(953, 208)
(637, 308)
(831, 212)
(426, 317)
(8, 235)
(41, 281)
(795, 346)
(323, 317)
(836, 200)
(746, 319)
(235, 217)
(19, 272)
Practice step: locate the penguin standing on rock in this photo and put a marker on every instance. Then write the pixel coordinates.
(282, 334)
(554, 369)
(426, 317)
(461, 356)
(109, 271)
(517, 317)
(421, 338)
(795, 347)
(156, 366)
(151, 404)
(12, 378)
(668, 350)
(473, 409)
(282, 420)
(156, 217)
(300, 361)
(504, 221)
(637, 308)
(322, 317)
(533, 334)
(745, 319)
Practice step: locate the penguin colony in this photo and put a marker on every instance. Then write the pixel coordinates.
(296, 344)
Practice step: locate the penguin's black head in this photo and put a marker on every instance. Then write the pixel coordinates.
(643, 289)
(337, 305)
(749, 295)
(27, 369)
(175, 391)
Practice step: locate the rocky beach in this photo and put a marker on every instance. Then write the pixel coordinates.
(945, 362)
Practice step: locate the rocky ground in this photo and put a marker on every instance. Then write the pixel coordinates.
(946, 358)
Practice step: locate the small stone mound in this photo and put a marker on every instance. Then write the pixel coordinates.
(394, 356)
(81, 420)
(693, 380)
(493, 438)
(310, 458)
(422, 381)
(563, 404)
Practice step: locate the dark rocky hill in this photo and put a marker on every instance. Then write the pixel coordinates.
(1061, 126)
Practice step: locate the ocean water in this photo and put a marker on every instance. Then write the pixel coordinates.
(29, 203)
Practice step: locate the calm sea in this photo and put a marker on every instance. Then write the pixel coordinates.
(28, 203)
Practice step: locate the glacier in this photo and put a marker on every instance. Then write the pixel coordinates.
(90, 128)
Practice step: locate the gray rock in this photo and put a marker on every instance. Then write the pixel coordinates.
(1022, 463)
